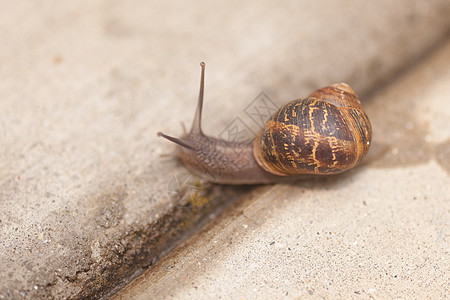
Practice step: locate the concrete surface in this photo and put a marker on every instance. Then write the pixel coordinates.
(86, 199)
(378, 232)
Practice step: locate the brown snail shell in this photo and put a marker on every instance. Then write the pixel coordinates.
(325, 133)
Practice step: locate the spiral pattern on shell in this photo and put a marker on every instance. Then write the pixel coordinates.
(324, 133)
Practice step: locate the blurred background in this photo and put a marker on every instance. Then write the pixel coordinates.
(85, 86)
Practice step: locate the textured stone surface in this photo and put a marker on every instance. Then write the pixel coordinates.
(378, 232)
(86, 199)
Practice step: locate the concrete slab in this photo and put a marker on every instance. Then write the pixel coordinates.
(86, 200)
(378, 232)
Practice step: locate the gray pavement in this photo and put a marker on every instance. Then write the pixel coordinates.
(87, 200)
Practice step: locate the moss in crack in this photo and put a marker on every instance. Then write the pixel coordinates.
(197, 205)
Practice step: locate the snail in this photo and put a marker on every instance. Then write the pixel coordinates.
(324, 133)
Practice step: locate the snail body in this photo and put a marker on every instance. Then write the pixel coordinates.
(322, 134)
